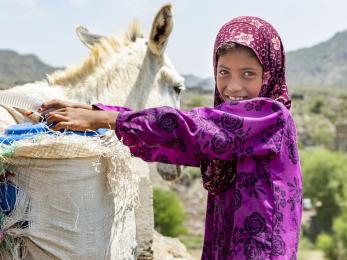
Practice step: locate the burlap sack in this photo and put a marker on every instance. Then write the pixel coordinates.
(77, 195)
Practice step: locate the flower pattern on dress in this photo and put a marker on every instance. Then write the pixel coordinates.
(254, 250)
(255, 224)
(220, 142)
(278, 246)
(237, 199)
(295, 193)
(231, 123)
(290, 142)
(167, 121)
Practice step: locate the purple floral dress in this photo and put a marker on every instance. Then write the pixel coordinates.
(247, 152)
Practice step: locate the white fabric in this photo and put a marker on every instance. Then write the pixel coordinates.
(80, 206)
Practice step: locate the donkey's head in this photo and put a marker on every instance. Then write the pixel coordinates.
(130, 70)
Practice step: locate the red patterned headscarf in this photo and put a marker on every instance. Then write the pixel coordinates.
(265, 42)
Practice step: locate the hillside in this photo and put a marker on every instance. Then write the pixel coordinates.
(16, 69)
(324, 64)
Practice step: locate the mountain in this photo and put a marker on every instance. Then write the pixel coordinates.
(193, 82)
(17, 69)
(324, 64)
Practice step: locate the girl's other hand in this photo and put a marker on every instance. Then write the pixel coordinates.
(56, 104)
(79, 119)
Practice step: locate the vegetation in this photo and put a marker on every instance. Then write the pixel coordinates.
(325, 182)
(169, 213)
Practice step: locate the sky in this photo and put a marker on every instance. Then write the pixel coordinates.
(46, 28)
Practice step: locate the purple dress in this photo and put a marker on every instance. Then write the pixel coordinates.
(258, 213)
(247, 152)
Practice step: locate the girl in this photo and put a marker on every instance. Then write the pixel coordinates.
(245, 146)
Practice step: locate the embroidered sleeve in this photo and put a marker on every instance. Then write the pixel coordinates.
(229, 131)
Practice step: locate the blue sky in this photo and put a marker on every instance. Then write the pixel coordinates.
(46, 27)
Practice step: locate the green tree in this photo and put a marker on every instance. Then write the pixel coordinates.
(325, 182)
(334, 245)
(169, 213)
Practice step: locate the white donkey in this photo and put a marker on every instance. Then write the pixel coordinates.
(129, 70)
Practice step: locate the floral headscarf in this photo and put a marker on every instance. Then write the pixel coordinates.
(264, 40)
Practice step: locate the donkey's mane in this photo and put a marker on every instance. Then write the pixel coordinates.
(99, 53)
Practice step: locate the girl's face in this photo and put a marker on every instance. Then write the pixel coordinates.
(239, 75)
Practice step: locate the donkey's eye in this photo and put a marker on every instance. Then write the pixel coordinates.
(177, 89)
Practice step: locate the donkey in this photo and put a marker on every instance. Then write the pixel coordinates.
(127, 70)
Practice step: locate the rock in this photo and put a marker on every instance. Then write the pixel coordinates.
(168, 248)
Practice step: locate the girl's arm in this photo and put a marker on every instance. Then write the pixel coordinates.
(231, 130)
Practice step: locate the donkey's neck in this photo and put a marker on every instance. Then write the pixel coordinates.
(113, 84)
(109, 87)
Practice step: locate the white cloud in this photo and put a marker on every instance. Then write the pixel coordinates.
(20, 10)
(20, 3)
(77, 3)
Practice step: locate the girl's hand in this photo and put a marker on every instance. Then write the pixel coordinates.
(79, 119)
(56, 104)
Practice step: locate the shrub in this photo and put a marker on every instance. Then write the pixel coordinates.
(169, 213)
(325, 182)
(317, 106)
(326, 243)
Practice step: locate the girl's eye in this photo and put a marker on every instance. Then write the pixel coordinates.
(223, 72)
(248, 74)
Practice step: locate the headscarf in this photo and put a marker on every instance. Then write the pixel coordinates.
(265, 42)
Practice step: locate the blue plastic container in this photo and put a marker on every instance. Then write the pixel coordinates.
(28, 130)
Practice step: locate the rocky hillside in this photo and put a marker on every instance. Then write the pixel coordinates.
(324, 64)
(16, 69)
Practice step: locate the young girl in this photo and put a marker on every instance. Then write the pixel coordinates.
(245, 145)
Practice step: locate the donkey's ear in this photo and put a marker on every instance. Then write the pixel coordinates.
(161, 29)
(87, 38)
